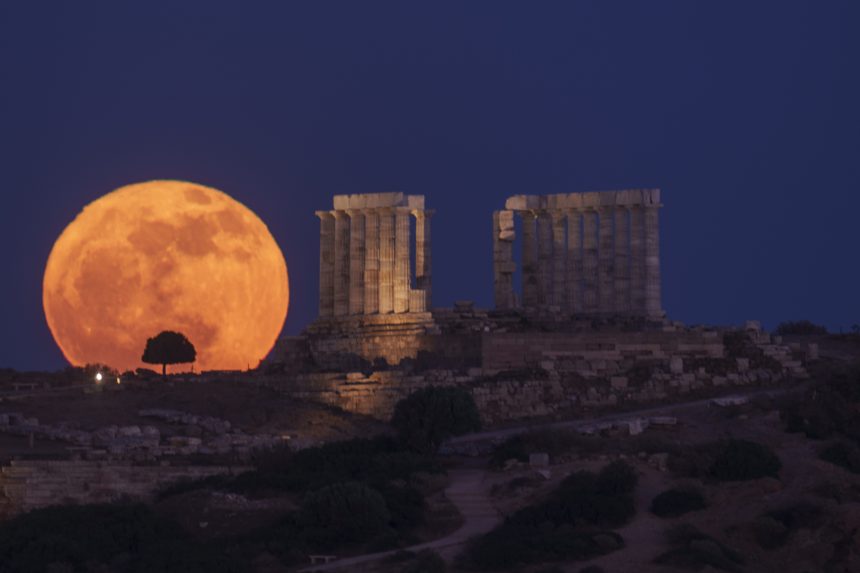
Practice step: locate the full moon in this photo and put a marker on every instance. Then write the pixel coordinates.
(166, 255)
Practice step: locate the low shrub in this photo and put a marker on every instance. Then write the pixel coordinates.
(121, 538)
(773, 529)
(726, 460)
(428, 417)
(692, 549)
(739, 460)
(342, 513)
(842, 454)
(677, 501)
(568, 525)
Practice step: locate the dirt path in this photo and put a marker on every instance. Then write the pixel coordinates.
(469, 492)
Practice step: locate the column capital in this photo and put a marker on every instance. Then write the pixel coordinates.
(323, 214)
(426, 213)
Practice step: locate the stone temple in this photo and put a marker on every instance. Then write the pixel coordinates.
(577, 322)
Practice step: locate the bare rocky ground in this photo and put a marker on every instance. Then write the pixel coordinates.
(249, 408)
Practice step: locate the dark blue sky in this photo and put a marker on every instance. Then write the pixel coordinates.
(746, 114)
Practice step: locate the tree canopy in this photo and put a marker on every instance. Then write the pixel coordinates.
(169, 347)
(431, 415)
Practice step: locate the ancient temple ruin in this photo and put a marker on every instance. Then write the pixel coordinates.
(582, 253)
(365, 256)
(578, 322)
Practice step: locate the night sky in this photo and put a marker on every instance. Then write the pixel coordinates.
(746, 115)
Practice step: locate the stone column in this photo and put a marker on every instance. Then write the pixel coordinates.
(607, 261)
(503, 259)
(386, 261)
(356, 261)
(531, 293)
(574, 262)
(622, 262)
(653, 307)
(401, 260)
(589, 261)
(341, 263)
(371, 262)
(423, 270)
(544, 224)
(559, 259)
(326, 263)
(637, 260)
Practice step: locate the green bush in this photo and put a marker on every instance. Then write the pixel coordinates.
(618, 477)
(842, 454)
(347, 512)
(773, 529)
(739, 460)
(374, 461)
(565, 526)
(122, 538)
(694, 550)
(677, 501)
(428, 417)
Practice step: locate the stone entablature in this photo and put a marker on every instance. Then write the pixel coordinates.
(594, 253)
(365, 256)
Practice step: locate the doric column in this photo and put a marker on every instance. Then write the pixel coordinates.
(356, 261)
(371, 261)
(423, 269)
(326, 263)
(544, 224)
(574, 262)
(386, 260)
(341, 263)
(503, 259)
(559, 260)
(589, 261)
(653, 307)
(531, 293)
(607, 261)
(637, 260)
(622, 261)
(401, 260)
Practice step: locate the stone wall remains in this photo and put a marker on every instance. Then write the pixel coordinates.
(31, 484)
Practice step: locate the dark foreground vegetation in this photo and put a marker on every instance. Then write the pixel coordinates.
(354, 496)
(830, 410)
(120, 538)
(575, 522)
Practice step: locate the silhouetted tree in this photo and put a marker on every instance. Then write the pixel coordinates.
(168, 347)
(428, 417)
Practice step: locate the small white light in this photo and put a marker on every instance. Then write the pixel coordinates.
(98, 376)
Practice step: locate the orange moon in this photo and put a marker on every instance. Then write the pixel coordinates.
(166, 255)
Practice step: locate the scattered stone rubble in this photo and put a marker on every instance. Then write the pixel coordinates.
(203, 435)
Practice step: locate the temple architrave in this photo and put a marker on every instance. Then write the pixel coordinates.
(582, 253)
